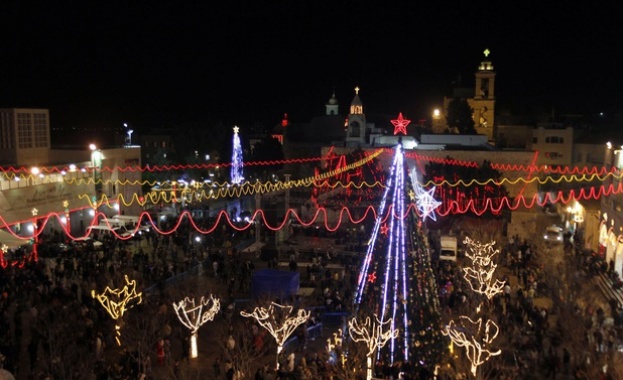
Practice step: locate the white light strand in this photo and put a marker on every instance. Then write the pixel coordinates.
(476, 343)
(282, 329)
(426, 203)
(480, 275)
(193, 316)
(373, 334)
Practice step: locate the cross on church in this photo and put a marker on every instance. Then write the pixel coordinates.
(357, 90)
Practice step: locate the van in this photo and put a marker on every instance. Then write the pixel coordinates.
(449, 248)
(131, 222)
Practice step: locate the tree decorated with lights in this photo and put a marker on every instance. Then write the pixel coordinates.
(193, 315)
(475, 338)
(118, 301)
(396, 280)
(278, 321)
(236, 159)
(479, 275)
(470, 332)
(374, 334)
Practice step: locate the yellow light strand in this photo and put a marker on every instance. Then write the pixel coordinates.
(116, 301)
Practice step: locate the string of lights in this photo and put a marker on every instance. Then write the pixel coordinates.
(344, 214)
(194, 314)
(229, 189)
(278, 321)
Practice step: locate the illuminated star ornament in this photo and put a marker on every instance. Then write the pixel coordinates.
(372, 278)
(34, 212)
(400, 125)
(384, 229)
(427, 204)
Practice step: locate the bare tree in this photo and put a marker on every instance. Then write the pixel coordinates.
(279, 321)
(67, 347)
(144, 325)
(249, 345)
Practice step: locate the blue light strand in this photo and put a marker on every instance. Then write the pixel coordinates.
(363, 273)
(405, 279)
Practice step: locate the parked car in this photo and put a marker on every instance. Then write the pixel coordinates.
(553, 234)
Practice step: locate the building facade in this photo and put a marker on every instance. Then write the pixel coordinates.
(44, 189)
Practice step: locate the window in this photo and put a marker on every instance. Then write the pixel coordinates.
(554, 140)
(535, 140)
(24, 131)
(41, 130)
(354, 129)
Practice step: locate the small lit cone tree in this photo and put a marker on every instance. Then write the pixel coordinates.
(278, 321)
(469, 334)
(117, 301)
(236, 159)
(374, 334)
(193, 316)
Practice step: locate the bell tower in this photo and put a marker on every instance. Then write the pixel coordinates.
(356, 124)
(332, 107)
(483, 102)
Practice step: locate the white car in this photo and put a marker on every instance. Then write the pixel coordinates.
(553, 234)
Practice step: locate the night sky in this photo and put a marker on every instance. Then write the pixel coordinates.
(151, 63)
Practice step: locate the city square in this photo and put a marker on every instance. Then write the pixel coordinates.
(255, 209)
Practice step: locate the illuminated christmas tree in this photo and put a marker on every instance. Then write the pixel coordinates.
(396, 280)
(236, 160)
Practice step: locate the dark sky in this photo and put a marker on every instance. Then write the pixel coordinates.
(96, 63)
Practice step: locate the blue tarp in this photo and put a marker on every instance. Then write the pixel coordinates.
(278, 283)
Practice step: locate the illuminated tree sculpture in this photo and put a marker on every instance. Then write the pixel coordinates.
(469, 334)
(236, 159)
(480, 274)
(193, 316)
(396, 280)
(374, 334)
(278, 322)
(117, 301)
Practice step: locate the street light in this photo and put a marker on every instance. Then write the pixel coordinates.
(128, 140)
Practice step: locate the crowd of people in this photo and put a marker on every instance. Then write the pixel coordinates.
(38, 295)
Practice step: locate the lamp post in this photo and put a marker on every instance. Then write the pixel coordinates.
(129, 131)
(96, 163)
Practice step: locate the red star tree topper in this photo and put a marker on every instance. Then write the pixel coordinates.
(400, 125)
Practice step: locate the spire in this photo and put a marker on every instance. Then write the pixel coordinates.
(356, 106)
(485, 64)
